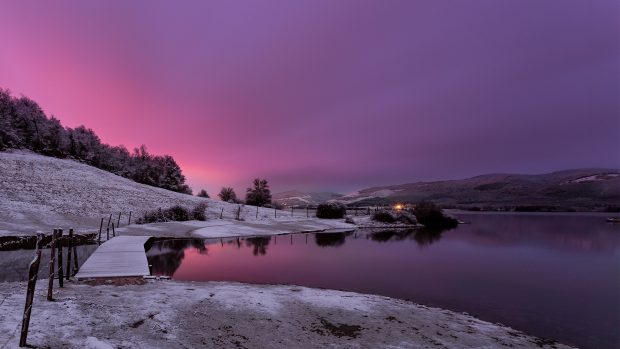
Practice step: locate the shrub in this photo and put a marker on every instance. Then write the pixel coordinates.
(431, 216)
(198, 212)
(203, 194)
(384, 216)
(177, 213)
(331, 210)
(174, 213)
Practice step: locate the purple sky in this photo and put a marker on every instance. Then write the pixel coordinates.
(329, 95)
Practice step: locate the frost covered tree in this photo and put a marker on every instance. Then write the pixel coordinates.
(259, 194)
(227, 194)
(8, 136)
(203, 194)
(24, 125)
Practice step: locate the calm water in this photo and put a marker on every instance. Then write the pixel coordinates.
(554, 276)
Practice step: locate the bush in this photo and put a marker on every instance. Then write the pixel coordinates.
(331, 210)
(431, 216)
(174, 213)
(198, 213)
(177, 213)
(384, 217)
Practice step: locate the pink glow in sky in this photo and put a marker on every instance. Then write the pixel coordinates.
(328, 95)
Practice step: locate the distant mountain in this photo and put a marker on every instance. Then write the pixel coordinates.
(581, 189)
(298, 198)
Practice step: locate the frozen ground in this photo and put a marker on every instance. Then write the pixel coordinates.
(171, 314)
(41, 193)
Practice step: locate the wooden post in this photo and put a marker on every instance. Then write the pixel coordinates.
(33, 270)
(59, 247)
(50, 281)
(118, 222)
(76, 265)
(100, 227)
(307, 212)
(129, 220)
(306, 239)
(275, 213)
(256, 212)
(113, 231)
(69, 245)
(221, 213)
(291, 239)
(222, 242)
(275, 239)
(109, 220)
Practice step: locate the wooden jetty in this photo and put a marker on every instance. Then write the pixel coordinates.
(120, 256)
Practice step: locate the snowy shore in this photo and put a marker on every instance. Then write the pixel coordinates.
(165, 314)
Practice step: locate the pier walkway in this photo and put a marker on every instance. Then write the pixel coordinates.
(118, 257)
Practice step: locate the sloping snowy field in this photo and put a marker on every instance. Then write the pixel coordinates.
(39, 193)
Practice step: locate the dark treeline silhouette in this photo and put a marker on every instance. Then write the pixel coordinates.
(24, 125)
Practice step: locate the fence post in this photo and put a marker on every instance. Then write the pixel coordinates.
(129, 220)
(307, 212)
(256, 212)
(69, 244)
(118, 222)
(75, 260)
(109, 220)
(113, 231)
(221, 213)
(50, 281)
(33, 270)
(275, 213)
(107, 234)
(59, 248)
(100, 227)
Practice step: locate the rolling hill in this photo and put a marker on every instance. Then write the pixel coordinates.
(580, 189)
(39, 193)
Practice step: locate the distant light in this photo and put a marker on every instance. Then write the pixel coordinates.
(398, 207)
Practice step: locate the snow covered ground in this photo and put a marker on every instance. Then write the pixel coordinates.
(171, 314)
(40, 193)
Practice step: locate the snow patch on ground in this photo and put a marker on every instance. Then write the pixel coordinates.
(172, 314)
(596, 177)
(94, 343)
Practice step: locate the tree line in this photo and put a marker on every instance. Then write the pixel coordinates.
(24, 125)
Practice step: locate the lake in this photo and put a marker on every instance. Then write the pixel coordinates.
(556, 276)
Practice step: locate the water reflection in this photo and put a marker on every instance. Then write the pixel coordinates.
(330, 239)
(258, 244)
(423, 237)
(166, 255)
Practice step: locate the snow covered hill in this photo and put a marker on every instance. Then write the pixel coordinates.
(39, 193)
(299, 198)
(580, 189)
